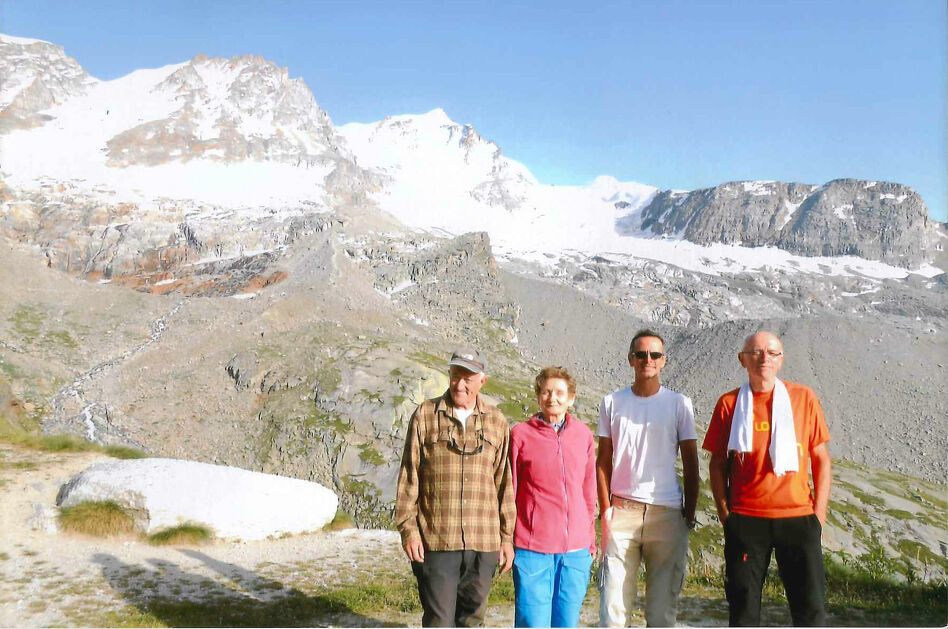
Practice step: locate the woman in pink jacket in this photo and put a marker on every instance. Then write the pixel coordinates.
(553, 461)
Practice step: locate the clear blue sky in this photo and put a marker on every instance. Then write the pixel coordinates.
(669, 93)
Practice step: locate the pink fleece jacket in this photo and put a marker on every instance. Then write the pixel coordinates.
(554, 478)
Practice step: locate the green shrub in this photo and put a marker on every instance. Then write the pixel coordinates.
(191, 534)
(340, 521)
(125, 452)
(101, 519)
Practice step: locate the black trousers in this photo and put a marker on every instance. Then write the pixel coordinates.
(748, 542)
(453, 586)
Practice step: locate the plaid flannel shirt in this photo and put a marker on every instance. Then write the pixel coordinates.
(450, 500)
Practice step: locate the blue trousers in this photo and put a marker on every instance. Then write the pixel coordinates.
(549, 588)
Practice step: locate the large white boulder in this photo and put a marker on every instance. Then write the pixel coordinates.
(235, 503)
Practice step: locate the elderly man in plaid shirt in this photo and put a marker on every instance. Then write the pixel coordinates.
(455, 507)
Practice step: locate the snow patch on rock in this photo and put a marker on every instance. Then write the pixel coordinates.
(235, 503)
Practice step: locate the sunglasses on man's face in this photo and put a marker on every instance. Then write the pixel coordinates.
(642, 355)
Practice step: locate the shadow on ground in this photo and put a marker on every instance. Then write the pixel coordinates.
(164, 594)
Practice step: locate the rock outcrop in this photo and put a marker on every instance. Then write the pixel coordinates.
(874, 220)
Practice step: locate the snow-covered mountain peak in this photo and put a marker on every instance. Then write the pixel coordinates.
(432, 163)
(230, 110)
(222, 134)
(167, 132)
(435, 118)
(22, 41)
(34, 76)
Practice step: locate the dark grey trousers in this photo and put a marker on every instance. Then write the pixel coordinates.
(453, 586)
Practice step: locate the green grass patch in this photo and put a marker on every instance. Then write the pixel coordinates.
(340, 521)
(502, 590)
(883, 600)
(318, 418)
(9, 370)
(29, 466)
(326, 606)
(67, 443)
(27, 322)
(863, 496)
(368, 454)
(432, 361)
(328, 379)
(845, 508)
(516, 396)
(899, 514)
(61, 338)
(100, 519)
(911, 549)
(125, 452)
(190, 534)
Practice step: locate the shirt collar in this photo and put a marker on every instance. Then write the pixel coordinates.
(538, 419)
(444, 405)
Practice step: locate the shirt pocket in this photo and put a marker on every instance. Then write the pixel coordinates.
(483, 463)
(436, 455)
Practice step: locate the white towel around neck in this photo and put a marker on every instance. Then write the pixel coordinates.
(783, 437)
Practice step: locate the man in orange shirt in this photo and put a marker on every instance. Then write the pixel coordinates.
(762, 437)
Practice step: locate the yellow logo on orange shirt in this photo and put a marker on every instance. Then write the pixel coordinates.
(763, 426)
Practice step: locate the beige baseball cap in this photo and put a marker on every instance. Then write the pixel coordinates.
(470, 359)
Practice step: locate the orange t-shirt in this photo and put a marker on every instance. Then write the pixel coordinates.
(755, 489)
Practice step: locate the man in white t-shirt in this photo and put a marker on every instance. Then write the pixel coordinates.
(644, 514)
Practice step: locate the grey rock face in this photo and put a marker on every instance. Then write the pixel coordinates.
(874, 220)
(241, 368)
(173, 250)
(879, 221)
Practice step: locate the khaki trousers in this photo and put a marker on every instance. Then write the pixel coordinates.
(635, 531)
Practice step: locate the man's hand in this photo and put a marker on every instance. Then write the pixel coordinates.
(415, 550)
(822, 467)
(505, 561)
(604, 527)
(820, 515)
(719, 481)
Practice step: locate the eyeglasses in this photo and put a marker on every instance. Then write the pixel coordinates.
(642, 355)
(759, 353)
(477, 449)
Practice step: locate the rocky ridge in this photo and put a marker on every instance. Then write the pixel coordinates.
(875, 220)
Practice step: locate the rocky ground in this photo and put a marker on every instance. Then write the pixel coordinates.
(54, 579)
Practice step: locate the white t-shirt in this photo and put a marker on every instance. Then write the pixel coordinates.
(645, 432)
(462, 414)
